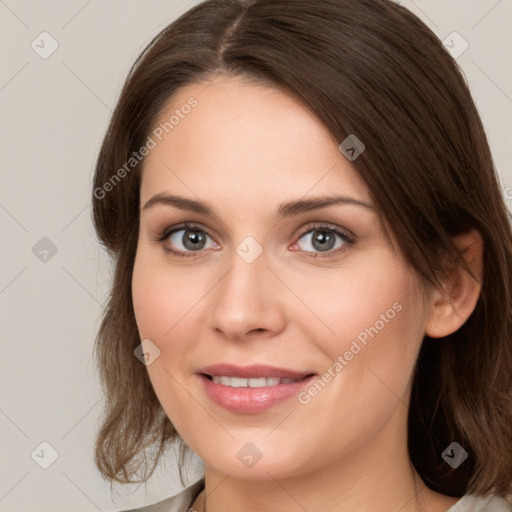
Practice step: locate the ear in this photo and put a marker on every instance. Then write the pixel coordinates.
(452, 306)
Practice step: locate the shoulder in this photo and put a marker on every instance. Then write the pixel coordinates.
(491, 503)
(179, 503)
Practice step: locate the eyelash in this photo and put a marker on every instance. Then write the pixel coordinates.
(348, 239)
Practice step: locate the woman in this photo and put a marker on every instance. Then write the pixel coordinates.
(312, 284)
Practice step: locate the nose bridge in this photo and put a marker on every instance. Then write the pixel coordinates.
(246, 299)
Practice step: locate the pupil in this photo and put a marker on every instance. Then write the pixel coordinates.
(193, 240)
(324, 240)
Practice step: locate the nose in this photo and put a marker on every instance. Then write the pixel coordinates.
(248, 302)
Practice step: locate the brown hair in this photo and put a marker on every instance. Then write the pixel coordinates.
(365, 67)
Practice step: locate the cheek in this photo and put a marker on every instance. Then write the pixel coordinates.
(375, 315)
(359, 297)
(163, 299)
(169, 304)
(150, 304)
(371, 318)
(162, 295)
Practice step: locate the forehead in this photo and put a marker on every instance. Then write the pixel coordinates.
(247, 141)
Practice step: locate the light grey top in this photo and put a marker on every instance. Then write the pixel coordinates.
(183, 501)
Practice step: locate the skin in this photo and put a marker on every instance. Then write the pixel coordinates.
(245, 149)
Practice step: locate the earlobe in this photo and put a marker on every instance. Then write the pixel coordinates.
(453, 305)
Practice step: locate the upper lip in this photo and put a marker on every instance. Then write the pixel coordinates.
(253, 371)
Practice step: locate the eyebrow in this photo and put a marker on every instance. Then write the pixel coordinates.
(286, 209)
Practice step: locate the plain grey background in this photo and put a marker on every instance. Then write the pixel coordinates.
(54, 278)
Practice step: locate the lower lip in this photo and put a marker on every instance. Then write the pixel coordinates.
(252, 400)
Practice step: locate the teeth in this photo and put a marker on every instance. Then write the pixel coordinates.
(241, 382)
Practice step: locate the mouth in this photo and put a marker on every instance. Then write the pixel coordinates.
(258, 382)
(252, 389)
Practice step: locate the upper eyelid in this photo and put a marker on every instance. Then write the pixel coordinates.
(185, 225)
(328, 225)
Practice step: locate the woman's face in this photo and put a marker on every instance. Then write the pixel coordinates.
(270, 272)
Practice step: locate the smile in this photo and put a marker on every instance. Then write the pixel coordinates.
(252, 394)
(242, 382)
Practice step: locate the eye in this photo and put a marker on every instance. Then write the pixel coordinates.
(324, 239)
(185, 239)
(190, 240)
